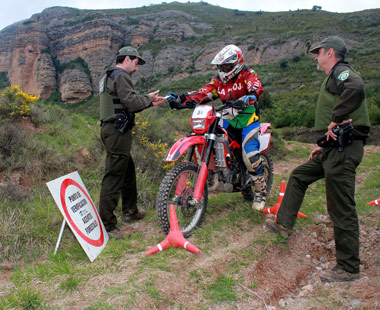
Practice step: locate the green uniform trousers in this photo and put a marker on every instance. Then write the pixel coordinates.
(119, 178)
(338, 169)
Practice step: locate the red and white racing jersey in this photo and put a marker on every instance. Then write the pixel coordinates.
(247, 82)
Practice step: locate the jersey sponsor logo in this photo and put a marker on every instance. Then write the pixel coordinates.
(344, 75)
(236, 86)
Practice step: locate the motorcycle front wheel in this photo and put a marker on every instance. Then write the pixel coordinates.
(177, 188)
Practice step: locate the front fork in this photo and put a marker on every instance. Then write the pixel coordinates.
(203, 172)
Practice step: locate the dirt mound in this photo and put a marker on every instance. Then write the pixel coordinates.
(287, 275)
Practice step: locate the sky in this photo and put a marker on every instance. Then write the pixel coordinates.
(17, 10)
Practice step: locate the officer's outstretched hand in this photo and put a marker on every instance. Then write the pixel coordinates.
(156, 99)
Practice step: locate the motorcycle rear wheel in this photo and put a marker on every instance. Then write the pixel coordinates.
(177, 188)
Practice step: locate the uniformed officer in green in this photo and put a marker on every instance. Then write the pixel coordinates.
(341, 102)
(118, 104)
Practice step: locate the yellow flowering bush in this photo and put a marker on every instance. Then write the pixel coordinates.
(157, 150)
(17, 100)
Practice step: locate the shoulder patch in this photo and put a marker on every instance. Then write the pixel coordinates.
(344, 75)
(102, 84)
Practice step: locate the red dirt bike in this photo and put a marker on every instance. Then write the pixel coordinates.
(217, 166)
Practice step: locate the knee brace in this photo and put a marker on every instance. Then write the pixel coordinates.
(254, 163)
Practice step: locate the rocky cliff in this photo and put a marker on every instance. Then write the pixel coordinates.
(66, 50)
(32, 52)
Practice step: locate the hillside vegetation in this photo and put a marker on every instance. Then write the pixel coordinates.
(291, 83)
(179, 53)
(240, 264)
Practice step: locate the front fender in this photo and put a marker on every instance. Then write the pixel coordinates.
(181, 147)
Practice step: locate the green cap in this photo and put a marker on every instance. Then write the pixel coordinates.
(130, 51)
(331, 42)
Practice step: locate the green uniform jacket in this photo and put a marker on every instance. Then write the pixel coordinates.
(342, 97)
(117, 92)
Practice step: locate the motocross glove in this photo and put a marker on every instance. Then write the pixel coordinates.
(239, 104)
(249, 99)
(176, 102)
(173, 97)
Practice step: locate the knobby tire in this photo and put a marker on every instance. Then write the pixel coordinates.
(177, 188)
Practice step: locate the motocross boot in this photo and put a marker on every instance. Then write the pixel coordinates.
(247, 194)
(260, 192)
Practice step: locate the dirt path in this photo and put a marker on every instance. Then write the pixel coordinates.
(285, 276)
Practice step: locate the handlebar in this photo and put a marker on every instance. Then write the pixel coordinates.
(226, 105)
(222, 107)
(231, 104)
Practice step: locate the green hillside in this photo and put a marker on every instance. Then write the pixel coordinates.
(236, 253)
(291, 84)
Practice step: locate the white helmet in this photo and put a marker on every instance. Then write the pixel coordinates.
(229, 62)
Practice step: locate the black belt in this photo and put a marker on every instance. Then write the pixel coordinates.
(364, 139)
(103, 122)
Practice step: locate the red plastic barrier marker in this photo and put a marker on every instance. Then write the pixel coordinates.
(375, 202)
(274, 209)
(175, 237)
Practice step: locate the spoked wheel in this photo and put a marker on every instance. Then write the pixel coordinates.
(177, 188)
(268, 170)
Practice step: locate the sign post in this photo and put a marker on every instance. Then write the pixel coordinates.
(60, 236)
(79, 212)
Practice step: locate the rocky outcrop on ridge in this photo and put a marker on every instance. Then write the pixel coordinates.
(32, 52)
(65, 50)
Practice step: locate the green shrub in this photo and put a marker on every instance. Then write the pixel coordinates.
(17, 101)
(4, 82)
(283, 63)
(78, 64)
(12, 139)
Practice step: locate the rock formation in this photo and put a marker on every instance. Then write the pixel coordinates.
(66, 50)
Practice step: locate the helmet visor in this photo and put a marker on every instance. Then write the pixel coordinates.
(225, 68)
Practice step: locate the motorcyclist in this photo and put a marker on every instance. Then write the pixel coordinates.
(241, 84)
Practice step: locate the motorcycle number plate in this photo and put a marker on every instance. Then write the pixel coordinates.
(202, 111)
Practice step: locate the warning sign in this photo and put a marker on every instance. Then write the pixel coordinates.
(79, 211)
